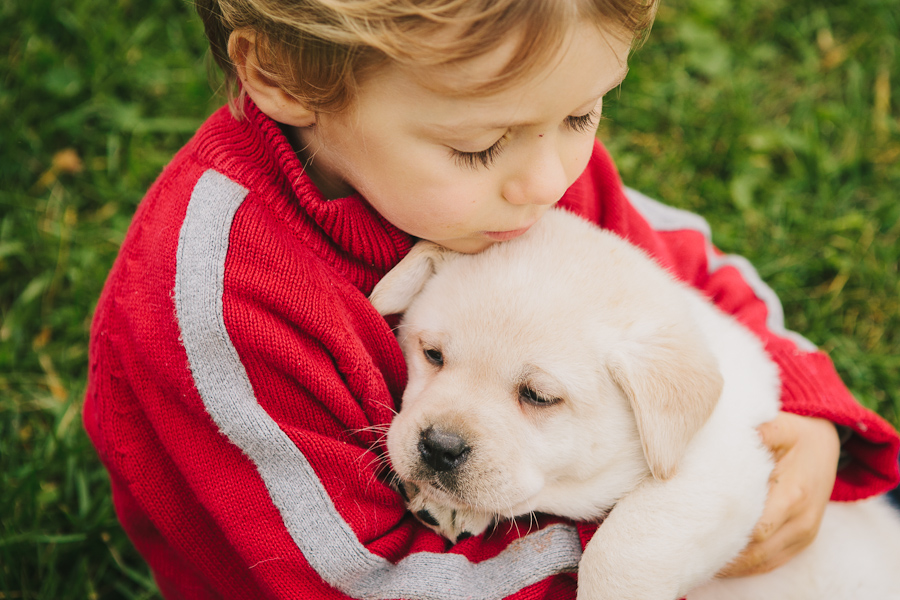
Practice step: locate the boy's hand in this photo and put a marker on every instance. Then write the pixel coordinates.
(806, 452)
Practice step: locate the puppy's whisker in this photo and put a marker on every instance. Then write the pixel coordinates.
(376, 467)
(376, 476)
(397, 332)
(395, 483)
(532, 521)
(375, 445)
(532, 518)
(378, 462)
(381, 428)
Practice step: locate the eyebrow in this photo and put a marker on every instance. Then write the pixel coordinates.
(455, 127)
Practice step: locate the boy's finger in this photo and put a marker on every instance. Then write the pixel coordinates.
(788, 525)
(777, 548)
(766, 556)
(773, 538)
(784, 503)
(779, 435)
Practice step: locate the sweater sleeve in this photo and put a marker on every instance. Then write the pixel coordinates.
(681, 241)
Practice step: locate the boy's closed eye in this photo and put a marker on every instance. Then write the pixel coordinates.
(485, 158)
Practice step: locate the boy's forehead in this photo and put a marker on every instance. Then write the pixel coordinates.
(586, 66)
(502, 102)
(467, 78)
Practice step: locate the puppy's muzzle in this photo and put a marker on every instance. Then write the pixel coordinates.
(442, 450)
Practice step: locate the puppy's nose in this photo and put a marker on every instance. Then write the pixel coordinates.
(442, 450)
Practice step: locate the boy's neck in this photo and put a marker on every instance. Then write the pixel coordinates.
(331, 188)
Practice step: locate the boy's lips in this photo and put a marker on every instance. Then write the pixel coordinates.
(503, 236)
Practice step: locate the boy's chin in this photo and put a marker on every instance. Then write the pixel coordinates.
(467, 245)
(480, 241)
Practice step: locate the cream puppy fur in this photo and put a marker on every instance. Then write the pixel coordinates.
(565, 372)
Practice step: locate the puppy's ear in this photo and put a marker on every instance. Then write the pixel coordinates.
(396, 290)
(673, 384)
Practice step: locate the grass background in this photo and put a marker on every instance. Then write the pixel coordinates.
(775, 119)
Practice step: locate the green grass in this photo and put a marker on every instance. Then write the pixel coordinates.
(775, 119)
(122, 85)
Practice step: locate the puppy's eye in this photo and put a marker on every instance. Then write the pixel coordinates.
(529, 395)
(434, 356)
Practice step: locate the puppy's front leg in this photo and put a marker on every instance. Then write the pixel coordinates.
(627, 559)
(667, 537)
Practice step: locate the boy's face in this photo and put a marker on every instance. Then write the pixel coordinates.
(467, 171)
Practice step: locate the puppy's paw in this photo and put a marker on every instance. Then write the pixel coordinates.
(452, 523)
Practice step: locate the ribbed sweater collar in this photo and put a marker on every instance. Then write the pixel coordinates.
(256, 153)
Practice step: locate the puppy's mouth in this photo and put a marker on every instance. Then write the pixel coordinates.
(435, 493)
(444, 488)
(455, 490)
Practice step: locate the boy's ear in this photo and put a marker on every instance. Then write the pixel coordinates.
(266, 94)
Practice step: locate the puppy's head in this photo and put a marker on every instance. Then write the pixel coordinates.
(558, 363)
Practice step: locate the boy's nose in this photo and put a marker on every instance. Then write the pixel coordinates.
(542, 182)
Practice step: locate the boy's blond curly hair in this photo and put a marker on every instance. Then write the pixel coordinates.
(319, 51)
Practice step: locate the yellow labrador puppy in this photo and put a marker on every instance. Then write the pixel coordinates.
(565, 372)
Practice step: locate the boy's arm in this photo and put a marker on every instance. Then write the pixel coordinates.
(810, 385)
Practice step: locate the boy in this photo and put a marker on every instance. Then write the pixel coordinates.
(241, 382)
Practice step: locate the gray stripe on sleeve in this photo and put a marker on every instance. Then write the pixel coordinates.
(668, 218)
(325, 539)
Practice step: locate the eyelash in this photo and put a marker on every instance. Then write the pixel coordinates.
(485, 158)
(584, 123)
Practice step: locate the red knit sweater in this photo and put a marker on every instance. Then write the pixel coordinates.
(240, 384)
